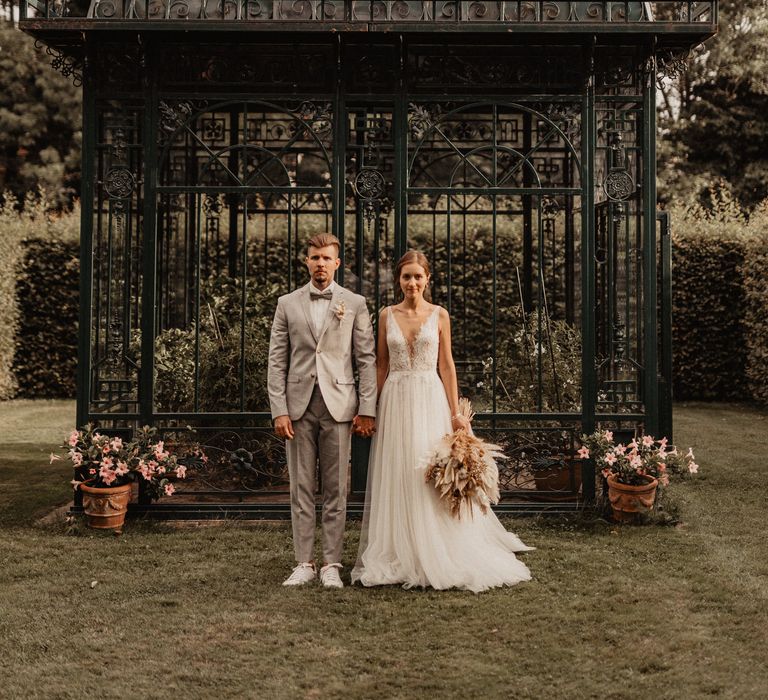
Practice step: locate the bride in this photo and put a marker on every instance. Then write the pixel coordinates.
(409, 537)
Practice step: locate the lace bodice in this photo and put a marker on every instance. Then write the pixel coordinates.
(422, 356)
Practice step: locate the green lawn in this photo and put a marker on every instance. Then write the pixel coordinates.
(612, 612)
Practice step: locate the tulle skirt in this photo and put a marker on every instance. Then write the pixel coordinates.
(408, 536)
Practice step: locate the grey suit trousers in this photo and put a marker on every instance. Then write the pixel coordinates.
(318, 438)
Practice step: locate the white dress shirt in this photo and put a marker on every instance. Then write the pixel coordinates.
(318, 308)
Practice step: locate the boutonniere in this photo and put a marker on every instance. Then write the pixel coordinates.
(340, 310)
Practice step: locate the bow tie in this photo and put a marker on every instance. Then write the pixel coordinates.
(326, 294)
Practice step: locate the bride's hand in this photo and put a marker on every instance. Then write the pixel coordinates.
(459, 422)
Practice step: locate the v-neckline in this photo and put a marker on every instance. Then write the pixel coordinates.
(412, 345)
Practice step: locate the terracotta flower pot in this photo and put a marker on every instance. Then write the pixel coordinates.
(558, 478)
(628, 501)
(106, 507)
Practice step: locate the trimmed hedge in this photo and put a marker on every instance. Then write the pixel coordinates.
(756, 305)
(708, 334)
(11, 253)
(46, 349)
(719, 302)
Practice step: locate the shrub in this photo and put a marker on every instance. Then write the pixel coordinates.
(36, 297)
(755, 272)
(708, 333)
(11, 253)
(44, 302)
(219, 348)
(46, 345)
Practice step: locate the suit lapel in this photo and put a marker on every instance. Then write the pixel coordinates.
(305, 301)
(335, 299)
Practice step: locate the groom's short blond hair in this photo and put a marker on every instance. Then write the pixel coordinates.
(321, 240)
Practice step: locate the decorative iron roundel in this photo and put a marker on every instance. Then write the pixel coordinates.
(619, 185)
(369, 184)
(119, 183)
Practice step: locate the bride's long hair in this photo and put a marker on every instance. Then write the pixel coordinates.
(412, 256)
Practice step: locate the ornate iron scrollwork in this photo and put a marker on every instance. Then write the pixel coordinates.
(671, 64)
(69, 66)
(319, 117)
(119, 182)
(618, 185)
(172, 117)
(619, 340)
(422, 118)
(369, 185)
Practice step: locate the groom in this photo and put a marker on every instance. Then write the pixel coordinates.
(317, 331)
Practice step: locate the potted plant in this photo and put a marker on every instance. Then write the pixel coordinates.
(105, 467)
(634, 472)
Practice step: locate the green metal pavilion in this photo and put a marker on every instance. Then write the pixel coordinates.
(512, 142)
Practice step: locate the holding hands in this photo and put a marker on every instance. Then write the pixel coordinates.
(364, 426)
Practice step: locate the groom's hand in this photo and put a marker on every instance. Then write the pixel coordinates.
(284, 427)
(364, 426)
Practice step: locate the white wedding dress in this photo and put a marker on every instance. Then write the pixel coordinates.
(408, 536)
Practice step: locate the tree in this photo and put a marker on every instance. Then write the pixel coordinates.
(40, 117)
(714, 115)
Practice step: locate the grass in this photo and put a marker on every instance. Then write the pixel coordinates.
(614, 612)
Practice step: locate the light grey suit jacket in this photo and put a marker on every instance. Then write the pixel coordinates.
(299, 357)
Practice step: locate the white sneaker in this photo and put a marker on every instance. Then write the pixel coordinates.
(329, 576)
(303, 573)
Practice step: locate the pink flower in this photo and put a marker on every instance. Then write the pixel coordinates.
(181, 471)
(107, 474)
(606, 472)
(116, 444)
(152, 465)
(122, 468)
(105, 450)
(663, 442)
(662, 452)
(690, 453)
(75, 483)
(77, 459)
(636, 461)
(583, 453)
(169, 489)
(91, 471)
(54, 458)
(106, 463)
(693, 468)
(610, 458)
(144, 471)
(608, 435)
(632, 445)
(619, 449)
(73, 438)
(648, 441)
